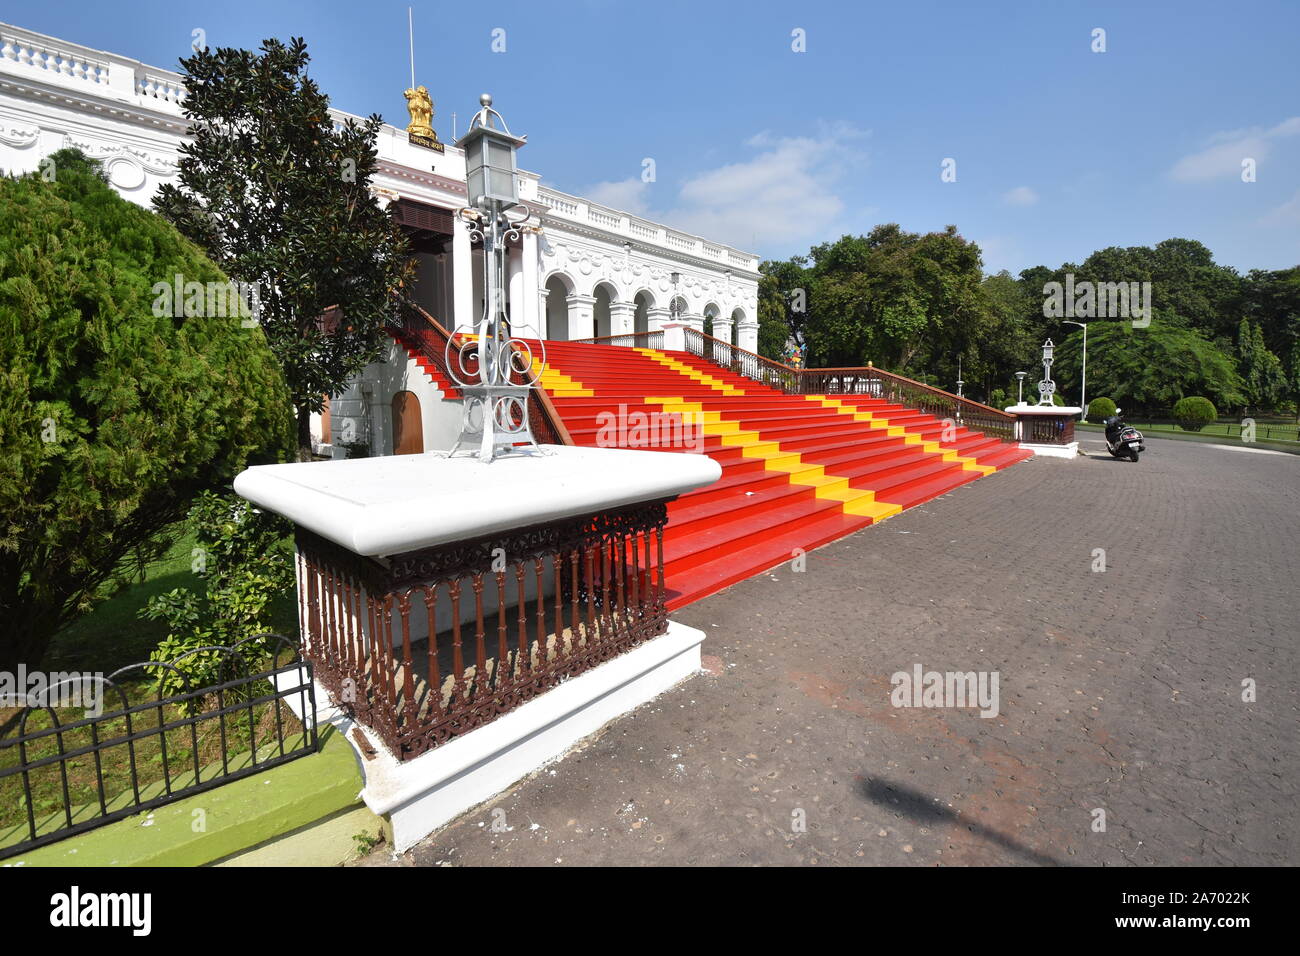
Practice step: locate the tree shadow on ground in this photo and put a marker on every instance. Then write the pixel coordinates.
(927, 811)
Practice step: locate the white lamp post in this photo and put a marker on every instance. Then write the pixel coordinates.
(1083, 375)
(494, 371)
(1047, 388)
(1020, 387)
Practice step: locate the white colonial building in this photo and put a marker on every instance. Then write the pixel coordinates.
(578, 271)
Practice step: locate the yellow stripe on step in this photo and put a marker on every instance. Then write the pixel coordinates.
(559, 384)
(909, 436)
(691, 372)
(853, 501)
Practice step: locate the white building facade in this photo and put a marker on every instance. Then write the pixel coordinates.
(580, 269)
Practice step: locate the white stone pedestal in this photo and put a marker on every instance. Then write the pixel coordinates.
(1068, 450)
(390, 508)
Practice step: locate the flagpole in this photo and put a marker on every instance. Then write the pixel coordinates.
(410, 33)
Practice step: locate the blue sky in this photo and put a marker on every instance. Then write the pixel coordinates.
(1059, 150)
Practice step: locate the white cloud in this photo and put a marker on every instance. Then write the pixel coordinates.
(1286, 214)
(627, 195)
(1020, 196)
(783, 194)
(1223, 157)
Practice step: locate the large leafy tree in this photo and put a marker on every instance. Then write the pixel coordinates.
(1272, 301)
(114, 414)
(276, 192)
(1263, 378)
(1010, 343)
(1147, 370)
(782, 305)
(902, 300)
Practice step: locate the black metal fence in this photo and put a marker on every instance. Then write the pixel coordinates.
(144, 737)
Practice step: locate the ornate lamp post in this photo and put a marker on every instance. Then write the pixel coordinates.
(494, 371)
(1083, 375)
(1047, 388)
(960, 383)
(675, 309)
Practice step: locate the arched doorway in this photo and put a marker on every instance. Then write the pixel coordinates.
(557, 308)
(644, 303)
(408, 425)
(600, 311)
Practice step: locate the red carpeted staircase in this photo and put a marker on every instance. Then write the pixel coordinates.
(798, 471)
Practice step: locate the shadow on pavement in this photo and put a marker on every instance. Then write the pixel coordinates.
(925, 810)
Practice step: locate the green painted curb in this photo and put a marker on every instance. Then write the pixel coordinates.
(236, 816)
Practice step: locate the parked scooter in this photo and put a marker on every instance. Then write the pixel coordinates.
(1122, 441)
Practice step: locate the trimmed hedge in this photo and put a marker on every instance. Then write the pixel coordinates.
(1194, 413)
(1099, 409)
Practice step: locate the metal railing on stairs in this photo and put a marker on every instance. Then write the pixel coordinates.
(869, 381)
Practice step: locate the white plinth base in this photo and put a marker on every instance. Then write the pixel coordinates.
(1053, 451)
(418, 796)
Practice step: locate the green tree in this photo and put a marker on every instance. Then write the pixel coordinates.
(114, 414)
(1145, 370)
(1009, 343)
(902, 300)
(782, 305)
(278, 196)
(1264, 381)
(1272, 301)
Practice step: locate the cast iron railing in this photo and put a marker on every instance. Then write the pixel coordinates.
(127, 747)
(645, 340)
(431, 644)
(1047, 429)
(870, 381)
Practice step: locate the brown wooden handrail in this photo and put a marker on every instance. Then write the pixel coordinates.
(800, 373)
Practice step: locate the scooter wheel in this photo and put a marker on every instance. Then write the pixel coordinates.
(1133, 453)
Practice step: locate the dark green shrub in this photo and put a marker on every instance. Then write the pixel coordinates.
(245, 564)
(112, 416)
(1194, 413)
(1099, 409)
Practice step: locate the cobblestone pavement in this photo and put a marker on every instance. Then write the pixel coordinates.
(1119, 691)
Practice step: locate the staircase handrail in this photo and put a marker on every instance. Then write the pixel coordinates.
(845, 381)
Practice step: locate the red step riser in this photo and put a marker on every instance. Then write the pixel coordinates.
(719, 535)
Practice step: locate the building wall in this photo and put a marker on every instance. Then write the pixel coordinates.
(55, 94)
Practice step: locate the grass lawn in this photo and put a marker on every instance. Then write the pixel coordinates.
(113, 635)
(1264, 431)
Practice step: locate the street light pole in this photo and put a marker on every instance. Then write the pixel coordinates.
(1083, 375)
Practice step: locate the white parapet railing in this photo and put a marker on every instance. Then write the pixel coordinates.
(576, 209)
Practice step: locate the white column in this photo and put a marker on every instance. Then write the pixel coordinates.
(531, 319)
(515, 284)
(543, 317)
(582, 316)
(462, 275)
(657, 318)
(692, 320)
(622, 318)
(722, 330)
(748, 338)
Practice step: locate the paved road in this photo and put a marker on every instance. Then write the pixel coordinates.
(1119, 691)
